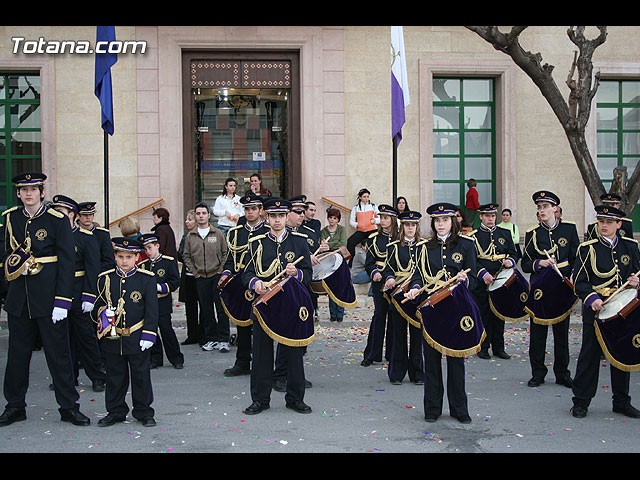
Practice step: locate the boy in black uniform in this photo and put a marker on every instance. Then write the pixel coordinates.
(127, 316)
(495, 249)
(39, 267)
(626, 226)
(270, 254)
(602, 266)
(238, 243)
(559, 239)
(86, 214)
(84, 342)
(168, 277)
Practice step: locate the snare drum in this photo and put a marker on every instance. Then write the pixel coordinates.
(508, 295)
(333, 277)
(327, 266)
(619, 304)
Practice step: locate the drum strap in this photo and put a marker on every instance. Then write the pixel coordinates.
(612, 275)
(551, 251)
(488, 254)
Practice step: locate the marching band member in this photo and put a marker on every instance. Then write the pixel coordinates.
(82, 332)
(238, 243)
(399, 268)
(127, 316)
(559, 240)
(165, 268)
(626, 226)
(40, 273)
(86, 214)
(374, 265)
(270, 255)
(445, 255)
(495, 250)
(602, 266)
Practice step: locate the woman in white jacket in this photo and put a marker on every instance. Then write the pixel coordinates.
(227, 208)
(364, 218)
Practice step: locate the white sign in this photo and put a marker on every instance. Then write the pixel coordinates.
(259, 156)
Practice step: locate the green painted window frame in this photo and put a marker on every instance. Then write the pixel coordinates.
(461, 156)
(7, 130)
(620, 106)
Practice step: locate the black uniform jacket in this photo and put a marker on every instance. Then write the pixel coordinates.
(268, 257)
(376, 253)
(493, 246)
(52, 245)
(132, 296)
(105, 247)
(602, 267)
(87, 267)
(436, 257)
(560, 241)
(626, 230)
(401, 261)
(167, 276)
(238, 243)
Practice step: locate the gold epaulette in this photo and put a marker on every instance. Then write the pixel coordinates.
(257, 237)
(10, 210)
(55, 212)
(308, 228)
(83, 230)
(373, 234)
(103, 229)
(391, 243)
(472, 232)
(300, 234)
(503, 228)
(422, 242)
(630, 239)
(588, 242)
(532, 228)
(465, 236)
(146, 272)
(168, 257)
(107, 272)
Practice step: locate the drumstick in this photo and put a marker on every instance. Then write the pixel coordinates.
(274, 279)
(448, 282)
(555, 267)
(624, 285)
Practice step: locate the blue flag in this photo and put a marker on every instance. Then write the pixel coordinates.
(103, 90)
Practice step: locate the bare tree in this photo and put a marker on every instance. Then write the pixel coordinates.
(573, 113)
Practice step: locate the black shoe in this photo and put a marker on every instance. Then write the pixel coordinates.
(396, 382)
(178, 365)
(463, 419)
(418, 382)
(188, 341)
(307, 384)
(109, 420)
(579, 411)
(155, 365)
(279, 386)
(339, 319)
(11, 415)
(535, 382)
(566, 381)
(430, 418)
(332, 319)
(255, 408)
(628, 411)
(74, 416)
(365, 363)
(236, 371)
(484, 354)
(299, 407)
(148, 422)
(502, 354)
(98, 385)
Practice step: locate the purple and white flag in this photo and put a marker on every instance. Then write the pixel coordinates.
(399, 82)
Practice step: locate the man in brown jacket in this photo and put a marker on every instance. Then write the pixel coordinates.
(205, 251)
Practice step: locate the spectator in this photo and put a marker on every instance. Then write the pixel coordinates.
(464, 225)
(358, 273)
(131, 229)
(364, 218)
(472, 204)
(512, 227)
(187, 292)
(205, 250)
(256, 186)
(336, 237)
(309, 217)
(227, 207)
(402, 205)
(164, 232)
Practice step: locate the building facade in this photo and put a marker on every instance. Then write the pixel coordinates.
(308, 107)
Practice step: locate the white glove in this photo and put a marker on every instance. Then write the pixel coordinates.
(159, 288)
(58, 314)
(87, 307)
(144, 344)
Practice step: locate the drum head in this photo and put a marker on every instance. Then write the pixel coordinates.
(501, 278)
(326, 267)
(617, 302)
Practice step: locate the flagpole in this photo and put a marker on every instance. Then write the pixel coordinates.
(106, 180)
(395, 169)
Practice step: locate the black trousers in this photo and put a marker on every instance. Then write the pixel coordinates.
(243, 346)
(167, 339)
(23, 331)
(189, 295)
(405, 358)
(493, 326)
(214, 322)
(381, 319)
(585, 383)
(538, 344)
(262, 367)
(84, 344)
(434, 383)
(125, 370)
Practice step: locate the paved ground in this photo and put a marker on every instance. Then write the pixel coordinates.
(355, 409)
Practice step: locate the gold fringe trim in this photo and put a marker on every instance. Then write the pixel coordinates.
(280, 339)
(449, 351)
(240, 323)
(504, 317)
(620, 366)
(412, 321)
(336, 299)
(550, 321)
